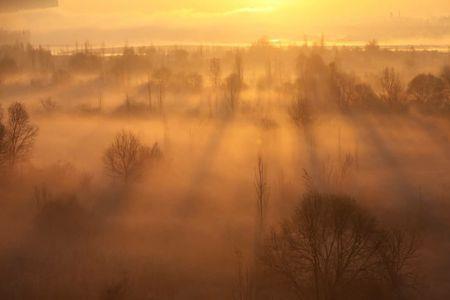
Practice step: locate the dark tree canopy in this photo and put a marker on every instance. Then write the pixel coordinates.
(331, 248)
(445, 74)
(426, 89)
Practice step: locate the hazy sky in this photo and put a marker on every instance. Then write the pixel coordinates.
(233, 20)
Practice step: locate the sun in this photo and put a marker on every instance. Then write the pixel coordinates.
(269, 3)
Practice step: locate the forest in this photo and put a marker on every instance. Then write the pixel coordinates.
(224, 172)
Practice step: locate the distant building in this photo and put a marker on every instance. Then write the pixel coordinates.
(14, 37)
(15, 5)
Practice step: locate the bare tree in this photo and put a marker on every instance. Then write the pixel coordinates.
(149, 92)
(233, 91)
(300, 112)
(127, 157)
(18, 136)
(372, 46)
(397, 255)
(345, 89)
(391, 87)
(2, 139)
(161, 77)
(331, 249)
(262, 197)
(48, 105)
(239, 67)
(234, 84)
(244, 285)
(215, 71)
(262, 191)
(327, 245)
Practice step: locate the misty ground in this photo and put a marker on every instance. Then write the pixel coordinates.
(186, 228)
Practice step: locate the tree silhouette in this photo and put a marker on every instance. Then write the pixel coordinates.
(391, 87)
(215, 71)
(396, 256)
(262, 191)
(331, 249)
(2, 139)
(161, 77)
(17, 137)
(233, 91)
(149, 92)
(427, 89)
(127, 156)
(372, 46)
(445, 74)
(300, 112)
(239, 67)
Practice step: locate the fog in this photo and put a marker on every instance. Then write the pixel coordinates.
(221, 144)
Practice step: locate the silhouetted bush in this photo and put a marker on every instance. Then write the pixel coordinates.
(62, 219)
(427, 91)
(8, 66)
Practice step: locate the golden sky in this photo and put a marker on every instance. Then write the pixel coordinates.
(301, 7)
(239, 20)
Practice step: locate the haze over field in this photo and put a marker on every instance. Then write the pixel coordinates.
(235, 150)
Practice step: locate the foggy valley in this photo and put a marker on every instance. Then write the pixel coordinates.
(267, 171)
